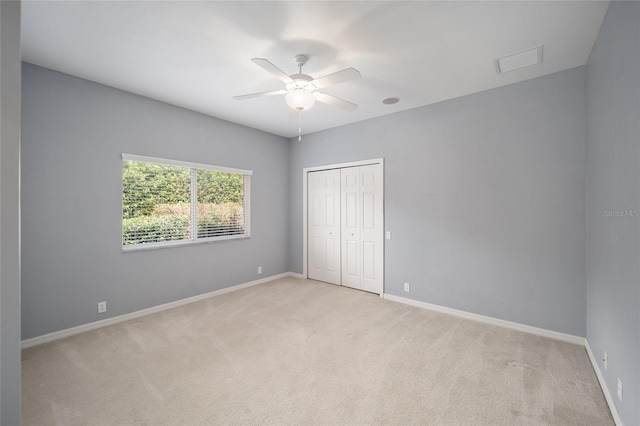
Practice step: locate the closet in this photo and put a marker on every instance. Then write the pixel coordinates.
(345, 226)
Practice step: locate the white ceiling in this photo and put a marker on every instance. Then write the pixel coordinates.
(197, 54)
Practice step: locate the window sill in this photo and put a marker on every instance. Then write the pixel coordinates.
(173, 244)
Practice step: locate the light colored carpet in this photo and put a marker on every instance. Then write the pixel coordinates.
(302, 352)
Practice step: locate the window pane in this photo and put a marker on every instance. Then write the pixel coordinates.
(220, 204)
(155, 203)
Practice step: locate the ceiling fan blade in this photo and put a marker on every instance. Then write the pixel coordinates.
(336, 102)
(277, 72)
(336, 78)
(260, 94)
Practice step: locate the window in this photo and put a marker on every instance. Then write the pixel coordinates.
(167, 202)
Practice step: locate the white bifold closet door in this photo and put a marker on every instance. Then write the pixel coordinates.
(361, 219)
(324, 226)
(345, 227)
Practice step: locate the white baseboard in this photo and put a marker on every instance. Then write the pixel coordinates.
(489, 320)
(603, 385)
(57, 335)
(527, 329)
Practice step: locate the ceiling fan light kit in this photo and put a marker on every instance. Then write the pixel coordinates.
(300, 90)
(300, 99)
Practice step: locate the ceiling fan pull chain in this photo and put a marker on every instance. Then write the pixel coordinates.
(299, 126)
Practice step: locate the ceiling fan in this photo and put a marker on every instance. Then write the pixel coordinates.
(302, 90)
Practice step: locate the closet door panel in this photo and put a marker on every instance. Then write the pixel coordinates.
(324, 226)
(351, 221)
(368, 261)
(315, 248)
(371, 236)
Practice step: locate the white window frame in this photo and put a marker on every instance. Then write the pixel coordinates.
(194, 202)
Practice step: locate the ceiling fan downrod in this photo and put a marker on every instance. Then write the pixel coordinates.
(300, 61)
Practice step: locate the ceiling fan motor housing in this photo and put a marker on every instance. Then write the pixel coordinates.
(301, 81)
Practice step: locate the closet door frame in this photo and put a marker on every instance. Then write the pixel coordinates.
(305, 183)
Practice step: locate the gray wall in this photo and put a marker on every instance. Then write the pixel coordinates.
(613, 151)
(10, 213)
(74, 132)
(485, 198)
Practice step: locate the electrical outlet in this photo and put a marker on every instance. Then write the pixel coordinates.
(388, 235)
(102, 307)
(259, 270)
(605, 359)
(619, 389)
(407, 287)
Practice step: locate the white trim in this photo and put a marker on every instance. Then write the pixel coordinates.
(305, 172)
(246, 205)
(526, 329)
(57, 335)
(344, 165)
(603, 385)
(178, 163)
(180, 243)
(490, 320)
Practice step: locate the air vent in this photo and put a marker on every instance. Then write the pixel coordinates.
(519, 60)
